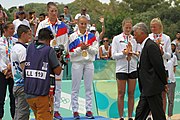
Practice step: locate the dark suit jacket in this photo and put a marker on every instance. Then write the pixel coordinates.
(151, 70)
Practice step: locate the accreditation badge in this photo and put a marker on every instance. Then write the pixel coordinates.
(84, 53)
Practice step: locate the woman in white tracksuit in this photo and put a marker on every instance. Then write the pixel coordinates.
(164, 43)
(59, 31)
(125, 51)
(82, 49)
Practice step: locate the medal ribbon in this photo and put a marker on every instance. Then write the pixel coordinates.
(126, 38)
(84, 37)
(156, 36)
(8, 45)
(53, 27)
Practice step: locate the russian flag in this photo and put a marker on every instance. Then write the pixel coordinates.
(77, 42)
(61, 29)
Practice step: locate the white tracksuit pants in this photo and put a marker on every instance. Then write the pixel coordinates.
(79, 69)
(57, 96)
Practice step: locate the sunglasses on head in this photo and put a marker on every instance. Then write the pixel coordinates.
(105, 41)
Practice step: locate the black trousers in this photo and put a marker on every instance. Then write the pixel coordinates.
(150, 103)
(3, 87)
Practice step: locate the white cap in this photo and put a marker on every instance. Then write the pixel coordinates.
(92, 28)
(173, 42)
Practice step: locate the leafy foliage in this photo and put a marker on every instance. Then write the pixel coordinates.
(115, 12)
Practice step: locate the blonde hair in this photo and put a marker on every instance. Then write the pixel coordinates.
(82, 16)
(159, 22)
(126, 20)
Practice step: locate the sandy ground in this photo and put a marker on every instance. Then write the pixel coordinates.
(174, 117)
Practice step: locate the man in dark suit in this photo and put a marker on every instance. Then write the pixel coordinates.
(151, 76)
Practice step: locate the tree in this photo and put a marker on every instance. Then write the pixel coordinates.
(139, 6)
(114, 12)
(37, 7)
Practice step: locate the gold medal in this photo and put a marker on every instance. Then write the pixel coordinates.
(53, 43)
(128, 58)
(84, 53)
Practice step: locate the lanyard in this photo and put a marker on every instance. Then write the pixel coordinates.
(156, 36)
(53, 27)
(158, 39)
(8, 45)
(126, 38)
(83, 38)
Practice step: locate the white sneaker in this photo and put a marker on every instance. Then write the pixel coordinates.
(169, 118)
(149, 117)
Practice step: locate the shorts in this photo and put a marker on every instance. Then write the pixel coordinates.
(126, 76)
(167, 75)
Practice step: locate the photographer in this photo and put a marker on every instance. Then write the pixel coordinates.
(38, 75)
(59, 31)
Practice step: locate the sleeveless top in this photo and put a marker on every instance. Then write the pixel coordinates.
(37, 70)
